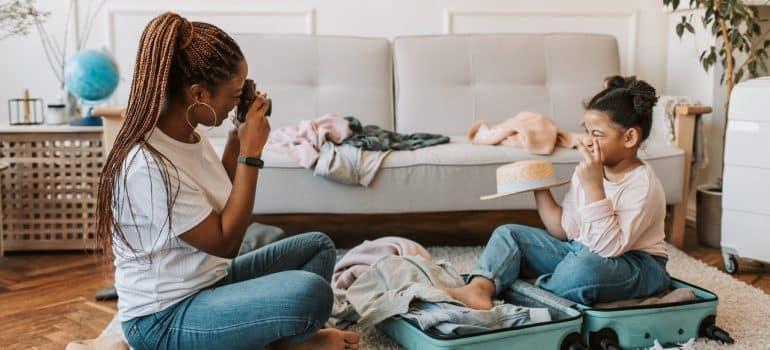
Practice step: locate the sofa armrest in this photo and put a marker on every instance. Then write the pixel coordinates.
(685, 117)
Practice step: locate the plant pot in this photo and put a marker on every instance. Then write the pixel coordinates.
(709, 215)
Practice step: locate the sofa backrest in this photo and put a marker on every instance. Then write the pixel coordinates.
(444, 83)
(308, 76)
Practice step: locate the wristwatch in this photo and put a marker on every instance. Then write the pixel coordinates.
(251, 161)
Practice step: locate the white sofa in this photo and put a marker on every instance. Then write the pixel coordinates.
(437, 84)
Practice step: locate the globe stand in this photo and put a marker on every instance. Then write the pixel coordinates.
(87, 120)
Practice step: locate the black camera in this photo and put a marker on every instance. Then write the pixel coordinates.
(248, 96)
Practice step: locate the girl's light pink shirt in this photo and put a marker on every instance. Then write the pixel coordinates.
(631, 217)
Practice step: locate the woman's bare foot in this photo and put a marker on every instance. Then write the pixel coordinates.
(476, 295)
(325, 339)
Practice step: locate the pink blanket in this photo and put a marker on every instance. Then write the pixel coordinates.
(358, 259)
(531, 131)
(303, 141)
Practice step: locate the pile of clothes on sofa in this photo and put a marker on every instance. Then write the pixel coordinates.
(342, 150)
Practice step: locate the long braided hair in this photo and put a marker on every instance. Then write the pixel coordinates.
(173, 54)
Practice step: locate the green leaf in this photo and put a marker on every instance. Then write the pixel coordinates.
(767, 43)
(675, 4)
(679, 30)
(706, 21)
(689, 28)
(752, 66)
(738, 76)
(763, 65)
(735, 37)
(753, 73)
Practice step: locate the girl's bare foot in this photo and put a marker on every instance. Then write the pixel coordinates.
(476, 295)
(325, 339)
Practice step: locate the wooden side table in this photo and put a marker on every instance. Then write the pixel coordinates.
(684, 131)
(48, 191)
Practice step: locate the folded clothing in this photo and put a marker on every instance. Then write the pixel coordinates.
(393, 284)
(303, 141)
(357, 260)
(348, 165)
(530, 131)
(374, 138)
(673, 296)
(456, 320)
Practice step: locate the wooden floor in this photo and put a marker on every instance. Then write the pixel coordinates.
(46, 300)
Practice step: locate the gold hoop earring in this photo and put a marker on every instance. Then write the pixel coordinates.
(213, 113)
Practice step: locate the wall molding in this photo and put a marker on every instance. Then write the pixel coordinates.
(450, 17)
(309, 15)
(302, 21)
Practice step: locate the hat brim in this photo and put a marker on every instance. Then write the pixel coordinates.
(555, 184)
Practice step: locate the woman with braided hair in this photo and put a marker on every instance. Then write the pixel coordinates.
(173, 215)
(606, 241)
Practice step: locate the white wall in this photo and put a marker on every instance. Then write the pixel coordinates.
(649, 48)
(640, 26)
(23, 63)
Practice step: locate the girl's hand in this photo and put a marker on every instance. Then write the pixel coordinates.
(591, 170)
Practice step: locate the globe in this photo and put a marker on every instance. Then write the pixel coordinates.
(92, 76)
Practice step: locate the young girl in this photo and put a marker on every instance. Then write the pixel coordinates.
(605, 242)
(175, 215)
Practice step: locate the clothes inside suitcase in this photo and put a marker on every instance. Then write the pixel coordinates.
(562, 332)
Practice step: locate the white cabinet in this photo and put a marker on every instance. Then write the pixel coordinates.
(746, 186)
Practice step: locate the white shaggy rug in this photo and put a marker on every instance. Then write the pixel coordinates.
(744, 311)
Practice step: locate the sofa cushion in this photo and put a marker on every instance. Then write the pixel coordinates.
(445, 83)
(449, 177)
(308, 76)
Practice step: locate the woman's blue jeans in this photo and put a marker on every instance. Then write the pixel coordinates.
(280, 291)
(568, 268)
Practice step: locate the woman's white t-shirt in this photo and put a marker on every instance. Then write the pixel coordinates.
(165, 269)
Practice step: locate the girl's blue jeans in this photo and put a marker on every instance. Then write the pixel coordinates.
(568, 268)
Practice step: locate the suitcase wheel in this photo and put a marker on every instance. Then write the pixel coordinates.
(572, 342)
(604, 339)
(709, 330)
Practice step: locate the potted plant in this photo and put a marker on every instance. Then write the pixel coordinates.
(740, 47)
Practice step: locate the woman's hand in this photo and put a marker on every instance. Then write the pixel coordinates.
(253, 133)
(590, 172)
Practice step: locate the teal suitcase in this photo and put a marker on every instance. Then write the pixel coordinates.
(639, 326)
(562, 333)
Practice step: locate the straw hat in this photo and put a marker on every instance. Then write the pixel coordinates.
(523, 176)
